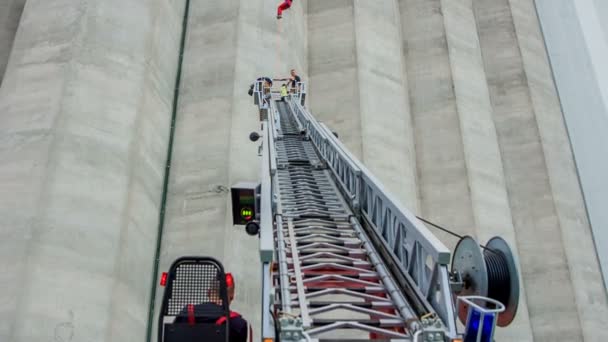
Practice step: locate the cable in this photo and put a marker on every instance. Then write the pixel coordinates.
(440, 227)
(451, 232)
(499, 278)
(277, 333)
(163, 201)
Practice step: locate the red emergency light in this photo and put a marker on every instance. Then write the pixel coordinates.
(229, 280)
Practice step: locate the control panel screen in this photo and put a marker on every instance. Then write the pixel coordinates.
(243, 205)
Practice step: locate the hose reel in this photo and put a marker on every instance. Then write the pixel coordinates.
(491, 272)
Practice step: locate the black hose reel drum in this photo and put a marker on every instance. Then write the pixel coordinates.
(491, 272)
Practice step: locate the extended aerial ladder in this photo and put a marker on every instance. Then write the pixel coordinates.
(343, 260)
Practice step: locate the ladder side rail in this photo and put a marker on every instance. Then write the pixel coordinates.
(389, 218)
(267, 331)
(410, 243)
(266, 217)
(267, 210)
(283, 262)
(444, 303)
(407, 239)
(429, 242)
(350, 172)
(274, 134)
(396, 295)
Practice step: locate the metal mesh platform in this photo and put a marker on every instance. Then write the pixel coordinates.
(195, 298)
(193, 283)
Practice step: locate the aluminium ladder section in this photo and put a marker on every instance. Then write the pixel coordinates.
(416, 258)
(329, 274)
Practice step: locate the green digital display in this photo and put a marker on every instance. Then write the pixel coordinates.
(243, 205)
(246, 213)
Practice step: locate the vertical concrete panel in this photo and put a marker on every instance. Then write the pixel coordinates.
(590, 295)
(198, 180)
(442, 174)
(489, 198)
(27, 123)
(149, 157)
(199, 183)
(229, 44)
(544, 265)
(10, 14)
(386, 130)
(294, 34)
(241, 254)
(83, 102)
(288, 50)
(332, 67)
(284, 49)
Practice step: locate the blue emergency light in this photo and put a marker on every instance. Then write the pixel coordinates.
(481, 320)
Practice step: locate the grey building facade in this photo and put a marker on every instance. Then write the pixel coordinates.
(486, 116)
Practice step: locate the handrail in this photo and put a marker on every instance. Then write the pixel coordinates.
(258, 93)
(268, 169)
(346, 171)
(266, 236)
(302, 88)
(267, 324)
(415, 250)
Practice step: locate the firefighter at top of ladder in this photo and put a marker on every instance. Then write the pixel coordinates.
(283, 6)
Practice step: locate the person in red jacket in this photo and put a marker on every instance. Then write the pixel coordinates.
(240, 330)
(283, 6)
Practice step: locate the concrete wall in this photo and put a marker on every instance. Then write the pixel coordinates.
(441, 169)
(357, 86)
(460, 170)
(215, 115)
(492, 156)
(334, 90)
(86, 105)
(451, 103)
(531, 199)
(10, 14)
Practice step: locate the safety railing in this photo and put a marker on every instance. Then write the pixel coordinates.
(258, 92)
(268, 168)
(419, 255)
(266, 238)
(482, 316)
(302, 89)
(267, 295)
